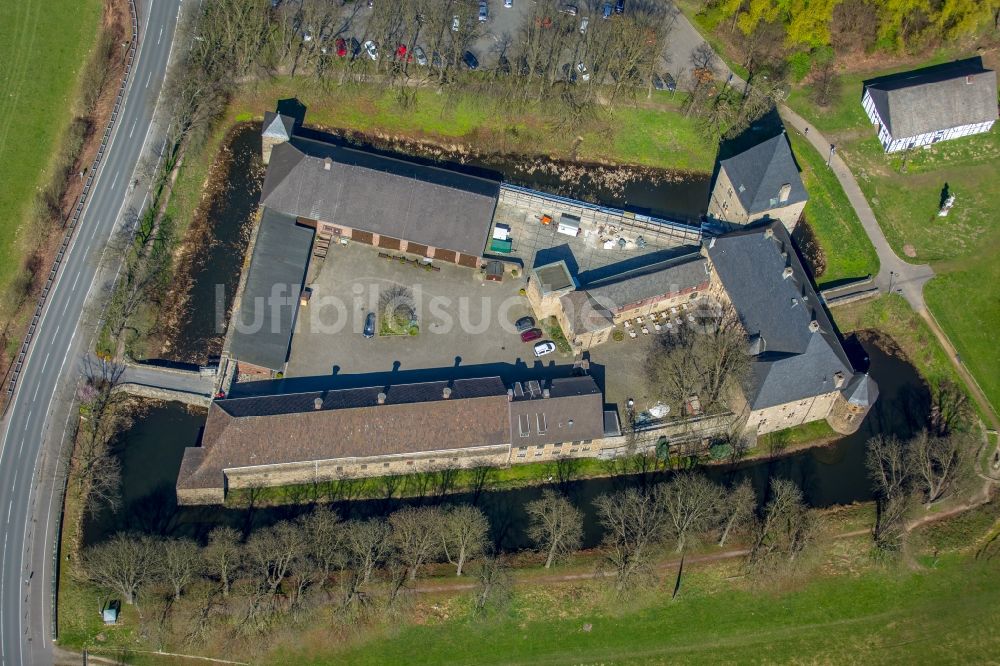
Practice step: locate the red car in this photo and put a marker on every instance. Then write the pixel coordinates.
(531, 334)
(341, 47)
(401, 53)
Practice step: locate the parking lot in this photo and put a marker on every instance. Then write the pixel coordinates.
(462, 320)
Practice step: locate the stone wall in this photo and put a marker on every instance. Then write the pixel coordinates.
(789, 414)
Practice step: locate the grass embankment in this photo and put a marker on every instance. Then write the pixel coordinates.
(846, 249)
(648, 132)
(905, 191)
(43, 48)
(853, 613)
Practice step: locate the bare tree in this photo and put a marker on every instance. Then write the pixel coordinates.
(737, 509)
(224, 555)
(179, 562)
(494, 584)
(367, 543)
(889, 470)
(939, 463)
(555, 525)
(416, 536)
(950, 409)
(324, 539)
(123, 563)
(270, 553)
(635, 524)
(786, 527)
(463, 532)
(690, 502)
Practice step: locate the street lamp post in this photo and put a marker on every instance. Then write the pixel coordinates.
(892, 274)
(833, 150)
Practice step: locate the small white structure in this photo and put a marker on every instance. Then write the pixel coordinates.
(938, 103)
(569, 225)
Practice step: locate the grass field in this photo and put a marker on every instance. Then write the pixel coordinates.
(43, 46)
(848, 252)
(945, 615)
(651, 133)
(905, 192)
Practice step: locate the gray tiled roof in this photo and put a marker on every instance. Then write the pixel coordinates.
(572, 412)
(280, 258)
(278, 126)
(862, 390)
(362, 190)
(757, 175)
(796, 363)
(935, 98)
(666, 277)
(584, 313)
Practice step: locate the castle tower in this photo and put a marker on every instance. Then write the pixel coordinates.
(852, 404)
(277, 129)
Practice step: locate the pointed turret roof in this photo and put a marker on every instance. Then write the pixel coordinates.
(277, 126)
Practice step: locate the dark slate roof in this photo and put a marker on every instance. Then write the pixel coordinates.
(935, 98)
(672, 276)
(757, 175)
(584, 313)
(572, 412)
(278, 126)
(414, 202)
(862, 390)
(271, 430)
(280, 257)
(796, 363)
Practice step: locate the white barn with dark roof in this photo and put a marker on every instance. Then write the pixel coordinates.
(925, 106)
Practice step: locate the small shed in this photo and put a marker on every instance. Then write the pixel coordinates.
(494, 271)
(501, 246)
(110, 612)
(501, 232)
(569, 225)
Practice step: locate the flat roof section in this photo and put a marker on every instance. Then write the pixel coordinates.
(554, 277)
(270, 298)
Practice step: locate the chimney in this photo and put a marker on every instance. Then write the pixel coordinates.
(784, 192)
(787, 273)
(381, 398)
(510, 395)
(838, 379)
(814, 326)
(769, 233)
(545, 393)
(446, 393)
(327, 164)
(318, 404)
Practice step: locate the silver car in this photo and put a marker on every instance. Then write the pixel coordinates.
(371, 50)
(420, 56)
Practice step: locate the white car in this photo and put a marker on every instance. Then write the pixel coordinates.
(371, 50)
(508, 3)
(582, 69)
(543, 348)
(583, 25)
(454, 23)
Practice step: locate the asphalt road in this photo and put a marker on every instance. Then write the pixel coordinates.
(36, 419)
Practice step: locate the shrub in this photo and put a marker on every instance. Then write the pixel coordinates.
(521, 291)
(618, 335)
(720, 451)
(514, 272)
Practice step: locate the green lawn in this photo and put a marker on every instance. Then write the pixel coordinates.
(848, 252)
(43, 46)
(650, 133)
(905, 192)
(946, 615)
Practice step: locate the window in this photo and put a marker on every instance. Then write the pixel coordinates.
(542, 423)
(524, 426)
(521, 455)
(385, 464)
(574, 450)
(557, 444)
(364, 467)
(340, 468)
(540, 447)
(538, 453)
(586, 448)
(522, 448)
(409, 463)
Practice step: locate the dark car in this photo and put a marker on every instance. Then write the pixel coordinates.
(436, 60)
(369, 331)
(470, 60)
(531, 334)
(355, 47)
(606, 11)
(523, 324)
(665, 82)
(620, 7)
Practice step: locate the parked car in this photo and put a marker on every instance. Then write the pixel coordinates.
(569, 9)
(531, 334)
(371, 50)
(421, 57)
(436, 60)
(355, 47)
(665, 82)
(369, 331)
(582, 70)
(607, 10)
(583, 25)
(620, 7)
(484, 11)
(401, 53)
(508, 3)
(454, 23)
(543, 348)
(341, 47)
(524, 323)
(470, 60)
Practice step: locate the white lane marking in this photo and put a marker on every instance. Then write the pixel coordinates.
(37, 387)
(47, 354)
(161, 35)
(148, 78)
(10, 507)
(75, 281)
(117, 176)
(132, 131)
